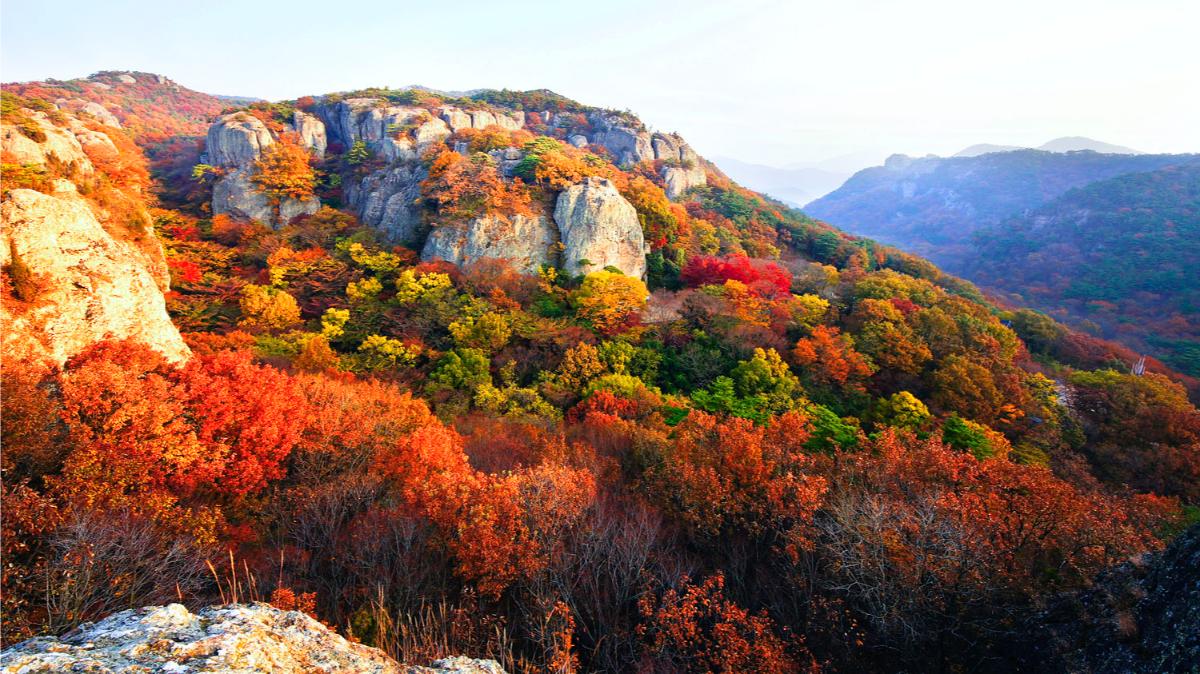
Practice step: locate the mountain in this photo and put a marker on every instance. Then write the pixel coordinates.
(512, 376)
(793, 186)
(932, 206)
(985, 148)
(151, 106)
(1079, 143)
(1122, 254)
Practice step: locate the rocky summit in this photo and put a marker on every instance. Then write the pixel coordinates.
(588, 222)
(234, 639)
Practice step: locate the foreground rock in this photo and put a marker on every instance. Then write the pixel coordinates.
(239, 639)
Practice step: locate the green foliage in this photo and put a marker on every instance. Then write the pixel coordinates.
(829, 431)
(461, 370)
(967, 436)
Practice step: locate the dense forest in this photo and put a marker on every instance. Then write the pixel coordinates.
(785, 449)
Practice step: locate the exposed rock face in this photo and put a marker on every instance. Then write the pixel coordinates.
(387, 199)
(682, 168)
(524, 242)
(60, 145)
(237, 639)
(392, 132)
(237, 139)
(311, 130)
(627, 144)
(234, 194)
(599, 226)
(87, 286)
(458, 119)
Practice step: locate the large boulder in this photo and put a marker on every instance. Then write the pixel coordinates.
(599, 228)
(80, 285)
(234, 639)
(458, 119)
(626, 144)
(234, 194)
(525, 242)
(393, 132)
(237, 139)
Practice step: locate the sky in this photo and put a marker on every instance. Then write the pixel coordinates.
(769, 81)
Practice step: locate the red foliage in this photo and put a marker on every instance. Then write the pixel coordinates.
(766, 279)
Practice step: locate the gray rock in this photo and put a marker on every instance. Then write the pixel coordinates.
(394, 133)
(234, 194)
(388, 200)
(235, 639)
(101, 113)
(311, 131)
(60, 144)
(524, 242)
(237, 139)
(599, 226)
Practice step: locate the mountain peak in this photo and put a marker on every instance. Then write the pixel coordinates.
(1077, 143)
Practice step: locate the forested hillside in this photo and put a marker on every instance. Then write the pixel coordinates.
(510, 376)
(1120, 255)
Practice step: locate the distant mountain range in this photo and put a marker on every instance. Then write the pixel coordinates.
(1064, 144)
(799, 183)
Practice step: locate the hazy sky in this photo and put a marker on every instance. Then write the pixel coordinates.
(760, 80)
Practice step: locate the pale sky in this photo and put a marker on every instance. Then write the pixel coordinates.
(766, 81)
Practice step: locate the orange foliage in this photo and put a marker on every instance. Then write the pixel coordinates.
(697, 629)
(462, 187)
(830, 358)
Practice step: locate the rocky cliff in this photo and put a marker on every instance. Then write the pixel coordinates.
(77, 272)
(234, 143)
(235, 639)
(590, 221)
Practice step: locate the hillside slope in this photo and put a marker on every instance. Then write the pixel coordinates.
(1122, 253)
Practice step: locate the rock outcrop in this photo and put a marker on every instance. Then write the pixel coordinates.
(234, 639)
(591, 221)
(599, 228)
(80, 285)
(59, 145)
(234, 143)
(311, 131)
(526, 243)
(391, 132)
(237, 139)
